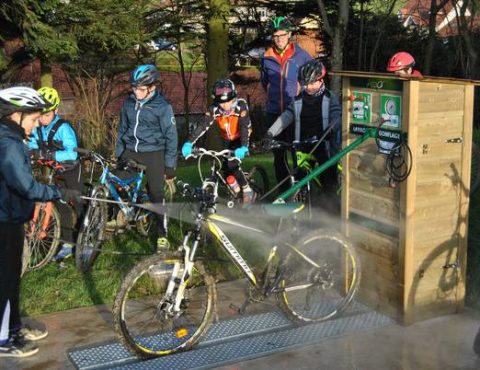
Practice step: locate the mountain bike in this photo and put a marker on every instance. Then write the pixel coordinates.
(303, 163)
(43, 231)
(256, 176)
(123, 192)
(166, 302)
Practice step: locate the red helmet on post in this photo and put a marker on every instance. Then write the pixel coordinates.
(399, 61)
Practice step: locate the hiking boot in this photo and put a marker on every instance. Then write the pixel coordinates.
(65, 252)
(30, 334)
(162, 243)
(18, 348)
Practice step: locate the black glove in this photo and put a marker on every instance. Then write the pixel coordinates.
(169, 173)
(267, 141)
(70, 195)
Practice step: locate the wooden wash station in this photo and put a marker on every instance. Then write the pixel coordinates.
(411, 235)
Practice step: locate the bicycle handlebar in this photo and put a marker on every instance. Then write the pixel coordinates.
(295, 144)
(226, 153)
(97, 157)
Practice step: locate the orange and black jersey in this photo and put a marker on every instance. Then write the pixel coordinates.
(234, 125)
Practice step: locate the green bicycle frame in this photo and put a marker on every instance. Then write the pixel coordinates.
(369, 133)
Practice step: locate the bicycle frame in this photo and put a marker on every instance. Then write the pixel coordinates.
(111, 181)
(369, 133)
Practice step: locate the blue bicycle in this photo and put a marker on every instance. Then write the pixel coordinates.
(110, 189)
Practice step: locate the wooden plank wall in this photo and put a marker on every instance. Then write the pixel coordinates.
(438, 192)
(367, 194)
(403, 272)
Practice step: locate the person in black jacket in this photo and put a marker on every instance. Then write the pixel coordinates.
(148, 134)
(20, 109)
(314, 111)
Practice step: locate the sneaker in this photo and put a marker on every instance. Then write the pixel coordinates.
(65, 252)
(17, 348)
(162, 243)
(30, 334)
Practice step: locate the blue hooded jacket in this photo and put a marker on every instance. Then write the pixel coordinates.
(64, 135)
(18, 188)
(280, 81)
(147, 127)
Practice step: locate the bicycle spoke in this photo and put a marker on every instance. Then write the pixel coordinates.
(320, 279)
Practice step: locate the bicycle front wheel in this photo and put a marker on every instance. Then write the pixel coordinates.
(42, 236)
(150, 320)
(320, 277)
(92, 231)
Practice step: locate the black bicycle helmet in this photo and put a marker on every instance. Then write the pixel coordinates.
(223, 91)
(21, 99)
(144, 75)
(311, 71)
(281, 24)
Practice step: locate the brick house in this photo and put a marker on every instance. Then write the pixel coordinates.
(416, 14)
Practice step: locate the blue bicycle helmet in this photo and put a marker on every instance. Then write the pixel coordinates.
(144, 75)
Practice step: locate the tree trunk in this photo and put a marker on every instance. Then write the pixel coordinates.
(46, 78)
(337, 48)
(217, 52)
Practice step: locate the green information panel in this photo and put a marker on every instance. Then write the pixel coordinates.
(362, 107)
(391, 110)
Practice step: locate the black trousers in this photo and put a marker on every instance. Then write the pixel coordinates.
(280, 160)
(11, 250)
(71, 179)
(155, 172)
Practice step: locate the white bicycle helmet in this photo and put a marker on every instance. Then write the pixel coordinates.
(21, 99)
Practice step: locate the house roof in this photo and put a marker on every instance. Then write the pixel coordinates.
(417, 13)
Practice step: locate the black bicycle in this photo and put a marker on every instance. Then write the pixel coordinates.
(166, 302)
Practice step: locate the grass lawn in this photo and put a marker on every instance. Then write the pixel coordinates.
(54, 289)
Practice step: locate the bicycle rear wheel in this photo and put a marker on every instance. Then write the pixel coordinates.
(258, 180)
(42, 236)
(145, 319)
(320, 277)
(92, 231)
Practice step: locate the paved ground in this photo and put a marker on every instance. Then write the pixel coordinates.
(441, 343)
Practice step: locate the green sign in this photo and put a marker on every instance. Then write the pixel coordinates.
(362, 107)
(391, 110)
(376, 83)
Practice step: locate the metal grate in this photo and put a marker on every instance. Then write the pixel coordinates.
(234, 340)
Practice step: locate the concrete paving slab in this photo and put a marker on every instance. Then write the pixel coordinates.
(440, 343)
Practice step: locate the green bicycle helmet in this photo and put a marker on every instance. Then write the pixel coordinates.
(281, 24)
(51, 96)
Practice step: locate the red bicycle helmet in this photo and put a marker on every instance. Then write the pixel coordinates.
(399, 61)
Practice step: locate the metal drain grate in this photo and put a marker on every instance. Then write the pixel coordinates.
(234, 340)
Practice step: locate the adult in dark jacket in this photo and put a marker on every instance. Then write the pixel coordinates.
(20, 109)
(148, 134)
(279, 70)
(314, 111)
